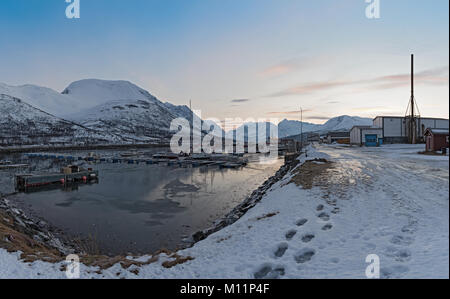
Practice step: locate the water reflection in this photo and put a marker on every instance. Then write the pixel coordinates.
(141, 208)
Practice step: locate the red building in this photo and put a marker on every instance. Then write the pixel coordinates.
(436, 139)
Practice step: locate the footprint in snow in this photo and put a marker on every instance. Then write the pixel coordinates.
(281, 250)
(411, 227)
(400, 255)
(307, 238)
(301, 222)
(324, 216)
(320, 208)
(304, 255)
(268, 272)
(327, 226)
(401, 240)
(393, 272)
(290, 234)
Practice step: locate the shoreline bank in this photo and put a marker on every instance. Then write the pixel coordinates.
(33, 225)
(17, 150)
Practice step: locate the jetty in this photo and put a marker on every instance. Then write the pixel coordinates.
(69, 174)
(10, 165)
(170, 159)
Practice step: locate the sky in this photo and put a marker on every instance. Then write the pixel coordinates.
(239, 58)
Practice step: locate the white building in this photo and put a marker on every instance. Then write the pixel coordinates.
(395, 128)
(365, 135)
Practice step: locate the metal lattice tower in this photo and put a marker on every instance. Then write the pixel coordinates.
(412, 112)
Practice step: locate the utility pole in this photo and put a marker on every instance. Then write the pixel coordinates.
(191, 134)
(301, 126)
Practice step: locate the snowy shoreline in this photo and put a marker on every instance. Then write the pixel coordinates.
(52, 237)
(365, 201)
(246, 205)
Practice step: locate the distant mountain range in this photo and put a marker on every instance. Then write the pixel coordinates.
(288, 128)
(341, 123)
(99, 111)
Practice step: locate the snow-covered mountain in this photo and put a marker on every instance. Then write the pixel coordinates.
(107, 107)
(43, 98)
(125, 109)
(288, 128)
(138, 120)
(180, 111)
(23, 124)
(341, 123)
(345, 122)
(90, 93)
(293, 127)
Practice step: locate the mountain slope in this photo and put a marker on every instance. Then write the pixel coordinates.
(43, 98)
(90, 93)
(292, 127)
(134, 120)
(340, 123)
(345, 122)
(288, 128)
(124, 109)
(23, 124)
(109, 107)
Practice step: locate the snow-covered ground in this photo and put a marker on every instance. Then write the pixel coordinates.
(388, 201)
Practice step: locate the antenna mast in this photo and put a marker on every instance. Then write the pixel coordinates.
(412, 113)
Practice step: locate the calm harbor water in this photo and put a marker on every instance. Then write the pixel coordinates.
(142, 208)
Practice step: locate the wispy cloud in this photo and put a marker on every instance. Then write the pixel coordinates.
(296, 112)
(438, 76)
(277, 70)
(240, 100)
(311, 88)
(294, 64)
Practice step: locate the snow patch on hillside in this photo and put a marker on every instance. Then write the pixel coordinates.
(43, 98)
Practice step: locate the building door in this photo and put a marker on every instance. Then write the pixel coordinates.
(371, 140)
(429, 144)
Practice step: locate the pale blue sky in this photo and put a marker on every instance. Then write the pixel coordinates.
(272, 56)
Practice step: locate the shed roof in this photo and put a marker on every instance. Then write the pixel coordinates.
(437, 131)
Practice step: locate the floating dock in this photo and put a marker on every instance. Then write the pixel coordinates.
(11, 166)
(169, 159)
(25, 181)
